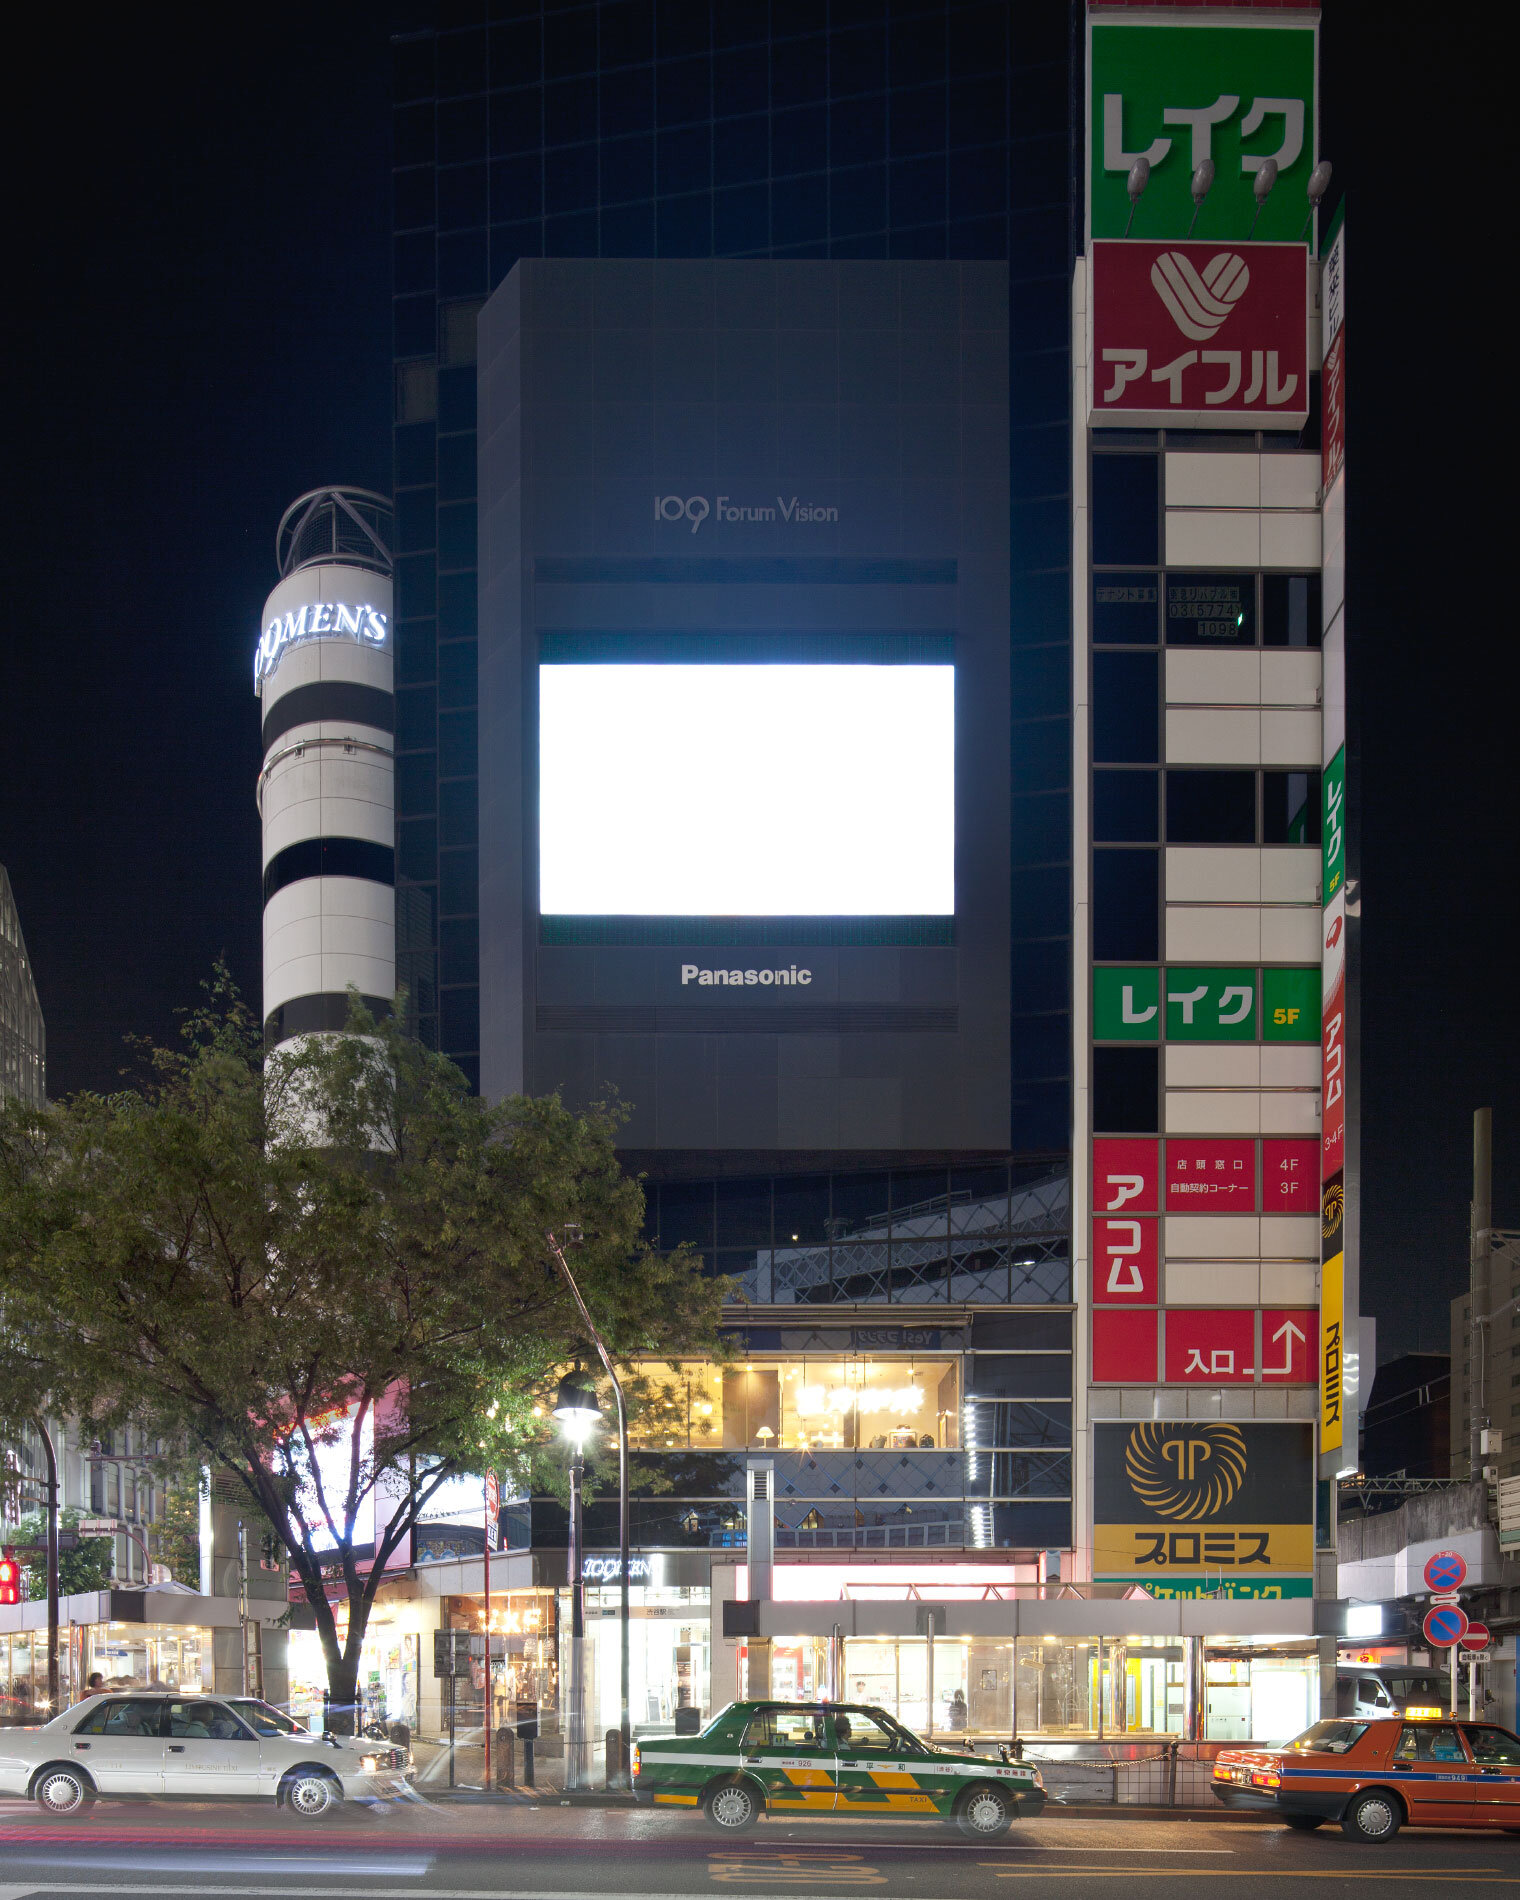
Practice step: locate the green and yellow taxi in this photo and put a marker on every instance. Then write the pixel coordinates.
(757, 1758)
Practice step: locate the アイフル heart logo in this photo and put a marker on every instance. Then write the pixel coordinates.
(1199, 303)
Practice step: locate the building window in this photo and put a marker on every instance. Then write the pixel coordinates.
(813, 1403)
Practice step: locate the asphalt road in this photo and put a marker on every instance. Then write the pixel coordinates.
(454, 1852)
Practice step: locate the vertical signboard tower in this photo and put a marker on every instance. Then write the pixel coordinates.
(1206, 781)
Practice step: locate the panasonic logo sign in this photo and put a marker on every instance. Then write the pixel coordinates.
(319, 620)
(690, 973)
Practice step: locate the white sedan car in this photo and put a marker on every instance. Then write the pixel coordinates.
(149, 1743)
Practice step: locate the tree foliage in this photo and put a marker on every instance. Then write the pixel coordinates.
(88, 1566)
(324, 1273)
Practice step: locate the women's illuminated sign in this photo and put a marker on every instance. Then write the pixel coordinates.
(319, 620)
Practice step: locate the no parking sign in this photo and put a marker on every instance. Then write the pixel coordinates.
(1445, 1625)
(1447, 1570)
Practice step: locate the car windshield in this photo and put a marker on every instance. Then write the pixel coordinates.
(1327, 1738)
(264, 1720)
(1430, 1687)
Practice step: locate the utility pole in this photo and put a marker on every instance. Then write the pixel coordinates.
(1480, 1225)
(52, 1564)
(625, 1725)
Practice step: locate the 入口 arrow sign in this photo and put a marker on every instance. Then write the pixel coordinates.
(1289, 1332)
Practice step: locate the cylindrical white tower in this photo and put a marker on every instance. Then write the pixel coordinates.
(323, 673)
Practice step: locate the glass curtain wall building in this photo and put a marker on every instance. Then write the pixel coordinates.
(886, 131)
(23, 1037)
(891, 135)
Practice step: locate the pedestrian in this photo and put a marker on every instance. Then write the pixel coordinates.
(958, 1709)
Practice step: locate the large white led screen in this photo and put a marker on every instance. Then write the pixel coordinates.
(746, 791)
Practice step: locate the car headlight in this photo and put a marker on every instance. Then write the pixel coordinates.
(370, 1764)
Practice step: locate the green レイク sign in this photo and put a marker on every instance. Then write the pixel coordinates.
(1210, 1005)
(1179, 94)
(1333, 824)
(1126, 1005)
(1290, 1005)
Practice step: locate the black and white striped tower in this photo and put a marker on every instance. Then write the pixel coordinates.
(323, 673)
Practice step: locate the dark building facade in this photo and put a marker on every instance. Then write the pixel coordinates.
(678, 131)
(808, 342)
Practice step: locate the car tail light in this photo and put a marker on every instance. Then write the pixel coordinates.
(1266, 1780)
(633, 1757)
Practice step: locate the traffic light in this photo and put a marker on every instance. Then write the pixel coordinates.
(10, 1579)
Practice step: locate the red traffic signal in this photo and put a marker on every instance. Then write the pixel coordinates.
(10, 1580)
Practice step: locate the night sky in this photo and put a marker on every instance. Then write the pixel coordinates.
(199, 330)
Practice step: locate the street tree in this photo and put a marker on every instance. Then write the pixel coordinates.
(324, 1273)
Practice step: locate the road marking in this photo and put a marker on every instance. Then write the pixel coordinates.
(843, 1870)
(1462, 1876)
(1072, 1848)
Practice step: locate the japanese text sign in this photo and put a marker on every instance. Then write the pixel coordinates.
(1126, 1004)
(1124, 1259)
(1125, 1175)
(1290, 1177)
(1175, 93)
(1210, 1005)
(1198, 335)
(1211, 1345)
(1210, 1177)
(1202, 1495)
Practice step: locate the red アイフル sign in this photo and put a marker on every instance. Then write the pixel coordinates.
(1288, 1346)
(1210, 1177)
(1124, 1176)
(1211, 1345)
(1124, 1270)
(1124, 1347)
(1290, 1177)
(1198, 335)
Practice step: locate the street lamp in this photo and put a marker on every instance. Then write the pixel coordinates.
(578, 1414)
(573, 1239)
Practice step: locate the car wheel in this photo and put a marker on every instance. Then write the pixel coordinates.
(986, 1813)
(1374, 1816)
(63, 1791)
(1303, 1823)
(732, 1808)
(310, 1795)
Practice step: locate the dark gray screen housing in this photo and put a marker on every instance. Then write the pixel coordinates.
(855, 417)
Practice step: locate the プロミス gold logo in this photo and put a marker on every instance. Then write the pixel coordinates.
(1185, 1472)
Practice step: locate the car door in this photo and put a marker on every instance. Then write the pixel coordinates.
(789, 1751)
(1496, 1764)
(1431, 1769)
(120, 1742)
(208, 1750)
(877, 1775)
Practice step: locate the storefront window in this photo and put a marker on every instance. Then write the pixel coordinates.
(133, 1655)
(1056, 1686)
(1260, 1692)
(668, 1655)
(814, 1403)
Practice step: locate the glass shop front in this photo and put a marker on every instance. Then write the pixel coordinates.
(1097, 1688)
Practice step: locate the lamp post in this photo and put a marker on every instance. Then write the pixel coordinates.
(572, 1238)
(576, 1409)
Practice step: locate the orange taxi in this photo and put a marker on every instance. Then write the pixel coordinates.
(1374, 1777)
